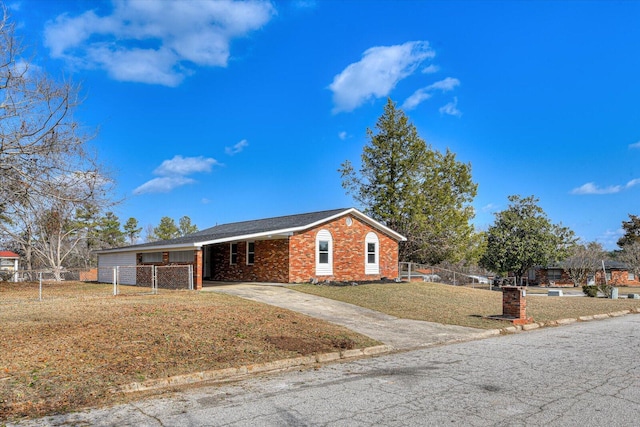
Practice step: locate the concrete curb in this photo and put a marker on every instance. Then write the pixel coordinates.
(568, 321)
(228, 374)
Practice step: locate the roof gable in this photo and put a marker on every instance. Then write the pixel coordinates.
(8, 254)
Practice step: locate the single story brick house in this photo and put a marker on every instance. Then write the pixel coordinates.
(336, 245)
(617, 273)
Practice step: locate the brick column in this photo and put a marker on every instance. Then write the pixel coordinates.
(514, 305)
(197, 270)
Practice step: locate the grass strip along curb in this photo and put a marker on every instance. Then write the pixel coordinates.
(568, 321)
(228, 374)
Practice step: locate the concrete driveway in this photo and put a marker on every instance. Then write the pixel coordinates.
(401, 334)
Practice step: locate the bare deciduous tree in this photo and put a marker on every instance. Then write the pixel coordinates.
(583, 261)
(630, 255)
(46, 172)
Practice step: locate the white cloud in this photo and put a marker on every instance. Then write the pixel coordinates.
(305, 4)
(237, 148)
(430, 69)
(445, 85)
(185, 166)
(342, 135)
(423, 94)
(163, 184)
(591, 188)
(635, 145)
(491, 207)
(155, 42)
(609, 239)
(173, 174)
(377, 73)
(415, 99)
(633, 183)
(451, 108)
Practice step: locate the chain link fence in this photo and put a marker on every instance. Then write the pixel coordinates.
(450, 275)
(39, 285)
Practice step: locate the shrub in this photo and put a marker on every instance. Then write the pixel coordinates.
(590, 291)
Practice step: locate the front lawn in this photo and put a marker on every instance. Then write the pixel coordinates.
(63, 354)
(460, 305)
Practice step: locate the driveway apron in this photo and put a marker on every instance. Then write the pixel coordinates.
(401, 334)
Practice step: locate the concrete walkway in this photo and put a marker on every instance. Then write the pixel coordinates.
(401, 334)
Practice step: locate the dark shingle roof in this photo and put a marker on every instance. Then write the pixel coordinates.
(244, 228)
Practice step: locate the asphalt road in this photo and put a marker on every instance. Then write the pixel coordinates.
(584, 374)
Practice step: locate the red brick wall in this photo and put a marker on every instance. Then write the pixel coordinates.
(514, 303)
(271, 262)
(293, 260)
(618, 277)
(543, 279)
(348, 253)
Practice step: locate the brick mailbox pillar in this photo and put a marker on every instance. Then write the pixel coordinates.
(514, 305)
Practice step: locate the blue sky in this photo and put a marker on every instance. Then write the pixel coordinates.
(231, 111)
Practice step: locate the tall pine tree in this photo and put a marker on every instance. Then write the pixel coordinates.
(415, 190)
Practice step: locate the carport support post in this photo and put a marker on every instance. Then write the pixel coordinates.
(514, 305)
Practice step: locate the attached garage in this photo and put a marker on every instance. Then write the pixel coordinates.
(108, 261)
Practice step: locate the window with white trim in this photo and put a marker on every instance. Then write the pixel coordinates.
(233, 253)
(324, 253)
(251, 252)
(371, 254)
(631, 276)
(148, 257)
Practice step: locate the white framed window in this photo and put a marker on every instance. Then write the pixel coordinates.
(233, 253)
(181, 256)
(371, 254)
(324, 253)
(148, 257)
(631, 276)
(608, 275)
(251, 252)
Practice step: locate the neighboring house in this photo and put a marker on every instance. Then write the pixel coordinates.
(616, 272)
(335, 245)
(9, 262)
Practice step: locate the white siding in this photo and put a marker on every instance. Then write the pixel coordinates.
(106, 262)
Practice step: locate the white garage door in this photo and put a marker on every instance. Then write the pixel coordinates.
(106, 262)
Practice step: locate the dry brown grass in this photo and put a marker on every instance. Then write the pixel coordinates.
(64, 354)
(460, 305)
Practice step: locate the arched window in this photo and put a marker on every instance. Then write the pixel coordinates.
(371, 254)
(324, 253)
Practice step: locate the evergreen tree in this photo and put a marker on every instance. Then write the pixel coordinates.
(131, 230)
(185, 226)
(109, 231)
(167, 229)
(631, 231)
(413, 189)
(523, 237)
